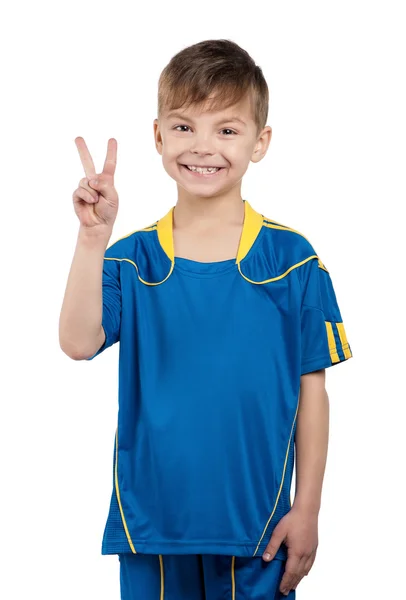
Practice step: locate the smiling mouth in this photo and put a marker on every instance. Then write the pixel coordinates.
(206, 175)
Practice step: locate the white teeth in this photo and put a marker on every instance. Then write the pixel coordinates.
(201, 170)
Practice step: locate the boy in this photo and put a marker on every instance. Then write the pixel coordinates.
(225, 318)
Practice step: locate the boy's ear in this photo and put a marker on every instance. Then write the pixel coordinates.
(262, 144)
(157, 136)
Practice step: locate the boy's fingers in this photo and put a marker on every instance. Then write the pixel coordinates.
(111, 158)
(83, 194)
(301, 573)
(85, 157)
(104, 186)
(277, 537)
(84, 183)
(290, 574)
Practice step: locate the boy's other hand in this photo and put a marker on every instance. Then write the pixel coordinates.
(96, 204)
(299, 530)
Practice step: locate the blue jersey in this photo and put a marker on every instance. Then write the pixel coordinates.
(210, 360)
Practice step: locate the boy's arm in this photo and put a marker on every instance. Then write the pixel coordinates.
(311, 440)
(298, 528)
(80, 323)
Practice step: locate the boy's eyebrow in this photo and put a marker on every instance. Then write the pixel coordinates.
(178, 115)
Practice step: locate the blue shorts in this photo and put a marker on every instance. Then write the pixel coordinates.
(200, 577)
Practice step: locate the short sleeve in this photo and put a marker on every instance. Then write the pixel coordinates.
(323, 337)
(111, 317)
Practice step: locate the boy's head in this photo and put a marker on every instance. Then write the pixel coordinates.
(200, 92)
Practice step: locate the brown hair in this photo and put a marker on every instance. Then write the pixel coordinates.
(213, 66)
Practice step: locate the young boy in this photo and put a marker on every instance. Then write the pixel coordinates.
(226, 319)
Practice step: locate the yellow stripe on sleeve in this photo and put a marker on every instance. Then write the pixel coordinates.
(332, 343)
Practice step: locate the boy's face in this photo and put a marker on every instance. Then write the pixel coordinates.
(203, 138)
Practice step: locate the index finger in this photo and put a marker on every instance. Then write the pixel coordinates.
(85, 157)
(111, 158)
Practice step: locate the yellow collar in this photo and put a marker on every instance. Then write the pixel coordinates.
(251, 227)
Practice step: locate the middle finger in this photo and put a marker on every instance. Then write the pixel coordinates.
(111, 157)
(302, 572)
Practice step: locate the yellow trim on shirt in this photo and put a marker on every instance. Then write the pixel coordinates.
(283, 228)
(253, 222)
(279, 276)
(283, 477)
(138, 274)
(332, 343)
(161, 567)
(252, 225)
(119, 498)
(165, 234)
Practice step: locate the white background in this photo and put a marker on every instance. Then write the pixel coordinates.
(335, 170)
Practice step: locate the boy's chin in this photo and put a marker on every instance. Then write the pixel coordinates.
(205, 191)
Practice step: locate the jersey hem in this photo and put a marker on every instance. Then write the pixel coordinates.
(204, 547)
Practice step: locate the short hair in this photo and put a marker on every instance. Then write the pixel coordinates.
(219, 70)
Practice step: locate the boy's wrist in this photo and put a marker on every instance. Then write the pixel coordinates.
(306, 505)
(92, 238)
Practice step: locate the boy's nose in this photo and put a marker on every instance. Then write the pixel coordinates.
(202, 156)
(203, 146)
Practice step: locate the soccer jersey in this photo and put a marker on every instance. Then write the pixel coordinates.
(210, 360)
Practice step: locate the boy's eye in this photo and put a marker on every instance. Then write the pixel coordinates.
(221, 130)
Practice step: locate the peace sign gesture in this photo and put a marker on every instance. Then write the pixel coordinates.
(96, 200)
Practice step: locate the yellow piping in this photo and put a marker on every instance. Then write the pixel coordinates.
(279, 276)
(322, 266)
(283, 477)
(150, 228)
(283, 228)
(161, 564)
(119, 498)
(138, 274)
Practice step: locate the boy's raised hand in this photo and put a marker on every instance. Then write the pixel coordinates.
(96, 204)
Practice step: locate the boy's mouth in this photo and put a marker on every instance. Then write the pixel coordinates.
(203, 173)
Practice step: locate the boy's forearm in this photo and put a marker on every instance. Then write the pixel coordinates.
(312, 431)
(81, 314)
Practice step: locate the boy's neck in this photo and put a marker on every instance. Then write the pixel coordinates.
(208, 229)
(208, 211)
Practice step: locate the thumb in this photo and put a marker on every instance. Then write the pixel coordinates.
(94, 182)
(274, 544)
